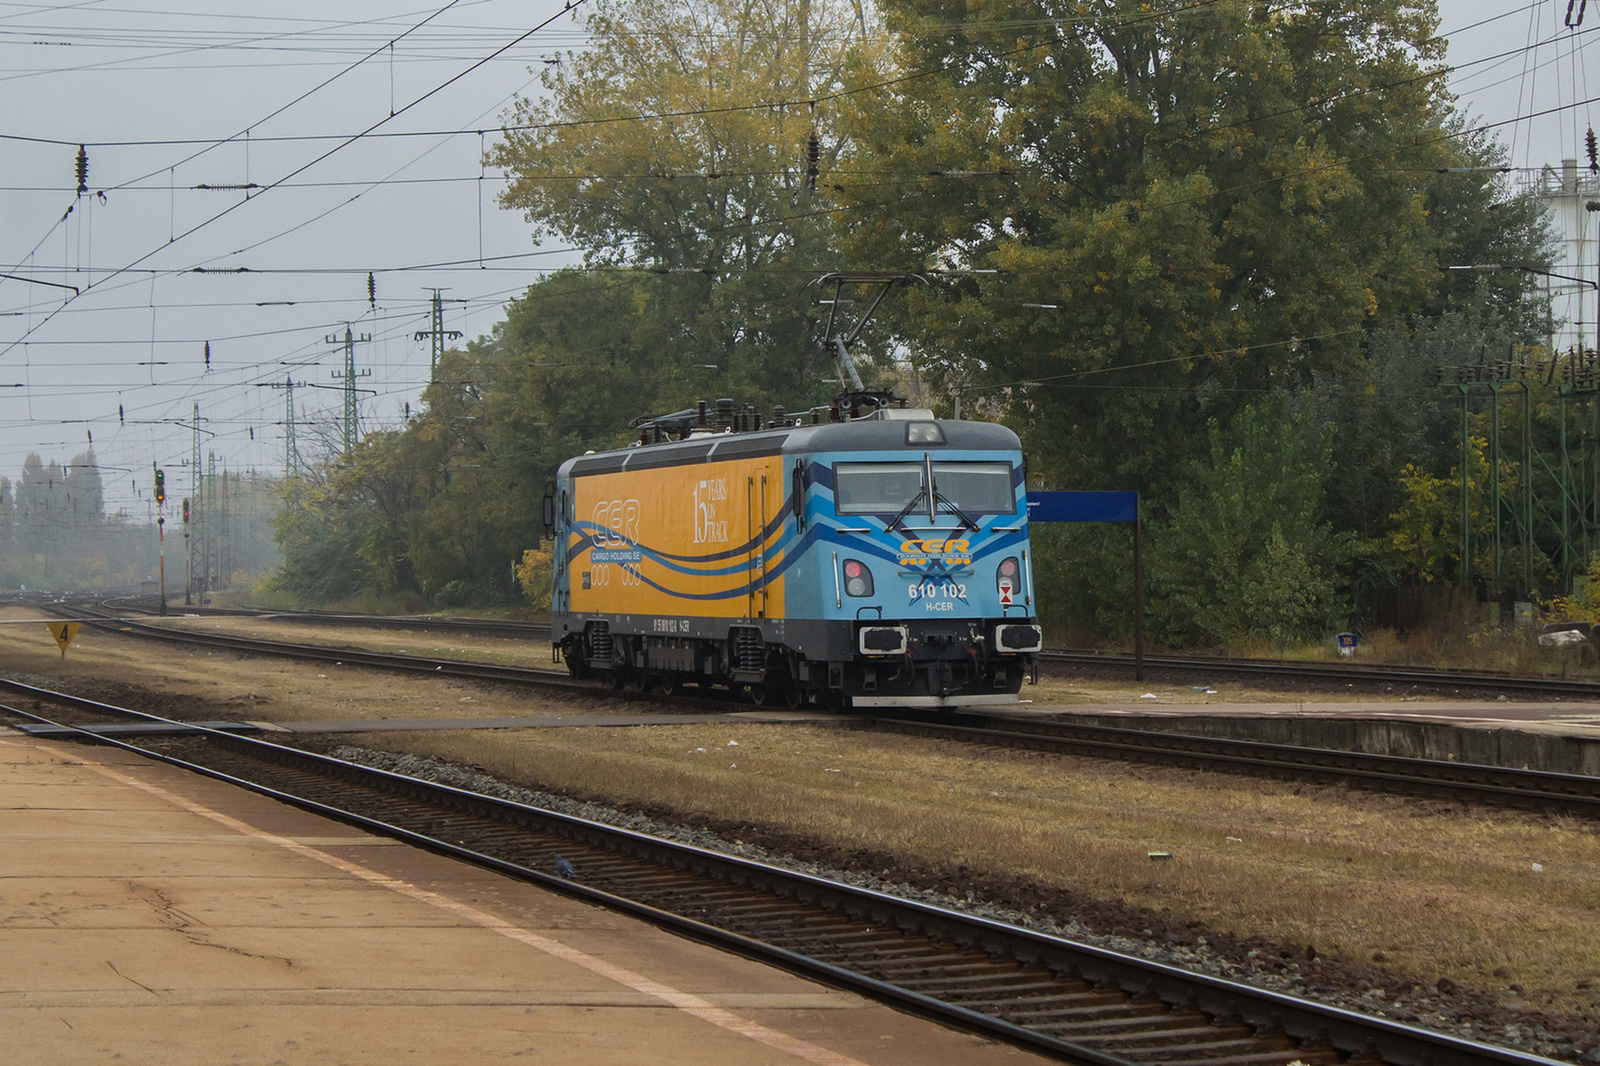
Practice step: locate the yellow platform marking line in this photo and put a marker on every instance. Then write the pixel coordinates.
(684, 1001)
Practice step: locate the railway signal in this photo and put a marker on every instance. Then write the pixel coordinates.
(188, 566)
(161, 532)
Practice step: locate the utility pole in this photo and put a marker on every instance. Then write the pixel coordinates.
(205, 529)
(225, 533)
(437, 332)
(196, 475)
(349, 377)
(291, 453)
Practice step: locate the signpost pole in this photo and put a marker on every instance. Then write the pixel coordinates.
(161, 533)
(188, 554)
(1103, 507)
(1138, 587)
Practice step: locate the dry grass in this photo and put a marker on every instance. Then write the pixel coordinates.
(228, 684)
(1441, 893)
(471, 647)
(1480, 647)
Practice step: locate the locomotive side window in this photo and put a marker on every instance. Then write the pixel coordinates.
(886, 488)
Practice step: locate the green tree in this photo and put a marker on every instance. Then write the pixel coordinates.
(1423, 546)
(1215, 200)
(647, 155)
(85, 497)
(8, 515)
(646, 148)
(1247, 550)
(319, 535)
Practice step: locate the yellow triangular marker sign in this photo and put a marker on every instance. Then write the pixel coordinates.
(64, 632)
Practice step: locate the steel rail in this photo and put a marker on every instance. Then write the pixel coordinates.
(526, 675)
(1506, 786)
(689, 927)
(1276, 669)
(1353, 673)
(503, 627)
(1315, 1028)
(1513, 786)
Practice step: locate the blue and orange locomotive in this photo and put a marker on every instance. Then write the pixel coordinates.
(879, 561)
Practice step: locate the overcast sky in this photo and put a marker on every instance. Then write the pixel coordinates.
(151, 87)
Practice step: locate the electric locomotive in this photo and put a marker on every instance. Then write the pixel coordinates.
(871, 561)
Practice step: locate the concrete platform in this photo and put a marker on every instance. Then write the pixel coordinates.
(147, 915)
(1565, 717)
(1562, 737)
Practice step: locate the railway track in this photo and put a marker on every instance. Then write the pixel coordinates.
(1311, 673)
(506, 627)
(1577, 794)
(103, 618)
(1076, 1002)
(1340, 673)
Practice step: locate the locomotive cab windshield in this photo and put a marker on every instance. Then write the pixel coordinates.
(890, 488)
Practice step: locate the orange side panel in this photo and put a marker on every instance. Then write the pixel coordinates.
(695, 541)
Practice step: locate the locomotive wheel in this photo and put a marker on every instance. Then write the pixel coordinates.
(793, 696)
(837, 701)
(618, 682)
(667, 684)
(758, 695)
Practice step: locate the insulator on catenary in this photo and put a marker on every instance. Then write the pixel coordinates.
(83, 170)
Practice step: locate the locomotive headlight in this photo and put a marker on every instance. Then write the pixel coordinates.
(857, 579)
(1005, 576)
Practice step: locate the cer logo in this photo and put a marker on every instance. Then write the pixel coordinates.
(935, 547)
(617, 522)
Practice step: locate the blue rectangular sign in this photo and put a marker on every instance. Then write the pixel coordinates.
(1083, 506)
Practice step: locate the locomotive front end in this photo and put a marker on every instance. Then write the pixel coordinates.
(925, 573)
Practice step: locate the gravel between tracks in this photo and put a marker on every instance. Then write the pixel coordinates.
(1444, 1007)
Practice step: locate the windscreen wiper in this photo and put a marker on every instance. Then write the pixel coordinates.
(966, 520)
(894, 523)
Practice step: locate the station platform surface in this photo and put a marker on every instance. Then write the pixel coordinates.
(151, 915)
(1566, 718)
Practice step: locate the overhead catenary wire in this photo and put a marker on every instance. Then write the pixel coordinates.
(345, 143)
(944, 178)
